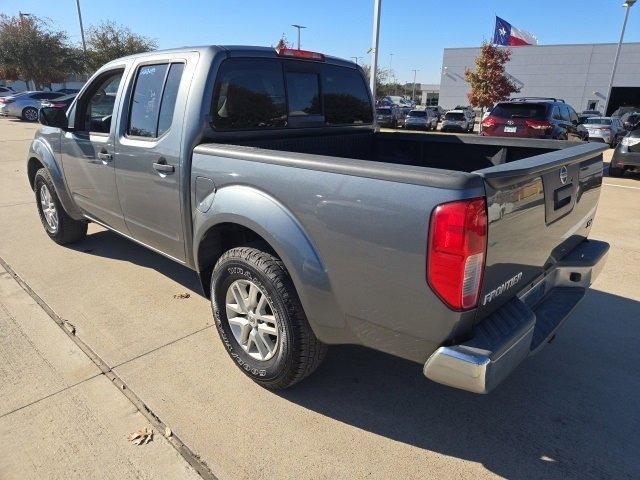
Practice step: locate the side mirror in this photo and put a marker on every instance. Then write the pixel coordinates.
(53, 117)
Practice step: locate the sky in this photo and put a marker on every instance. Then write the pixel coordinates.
(414, 31)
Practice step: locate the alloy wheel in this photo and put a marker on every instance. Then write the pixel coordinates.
(48, 209)
(252, 319)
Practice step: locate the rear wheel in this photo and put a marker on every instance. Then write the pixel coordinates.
(30, 114)
(60, 227)
(260, 319)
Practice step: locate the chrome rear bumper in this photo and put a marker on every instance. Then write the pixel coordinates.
(519, 328)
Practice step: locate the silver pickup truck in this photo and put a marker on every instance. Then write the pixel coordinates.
(264, 172)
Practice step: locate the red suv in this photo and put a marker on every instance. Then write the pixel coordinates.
(534, 117)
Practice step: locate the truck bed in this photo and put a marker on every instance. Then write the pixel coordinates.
(461, 153)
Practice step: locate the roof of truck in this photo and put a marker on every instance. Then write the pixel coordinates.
(240, 50)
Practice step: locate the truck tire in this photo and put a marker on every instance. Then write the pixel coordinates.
(30, 114)
(260, 319)
(60, 227)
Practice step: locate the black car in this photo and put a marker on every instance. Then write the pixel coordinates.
(534, 117)
(60, 102)
(68, 90)
(630, 120)
(626, 156)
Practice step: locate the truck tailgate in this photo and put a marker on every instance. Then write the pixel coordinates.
(539, 209)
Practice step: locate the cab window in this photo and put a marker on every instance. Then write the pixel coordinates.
(96, 109)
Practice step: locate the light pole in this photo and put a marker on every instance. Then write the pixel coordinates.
(299, 27)
(355, 59)
(628, 4)
(413, 92)
(374, 46)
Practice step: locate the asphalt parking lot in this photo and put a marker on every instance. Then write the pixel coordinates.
(573, 411)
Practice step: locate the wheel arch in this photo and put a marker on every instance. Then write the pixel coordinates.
(242, 215)
(41, 156)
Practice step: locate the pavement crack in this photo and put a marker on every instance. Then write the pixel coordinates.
(156, 422)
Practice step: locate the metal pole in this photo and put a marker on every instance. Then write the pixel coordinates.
(413, 92)
(299, 27)
(374, 46)
(628, 4)
(84, 45)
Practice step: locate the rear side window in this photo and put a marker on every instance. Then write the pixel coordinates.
(520, 110)
(153, 100)
(346, 99)
(249, 94)
(564, 112)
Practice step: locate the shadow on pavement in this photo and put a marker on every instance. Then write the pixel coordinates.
(573, 411)
(111, 245)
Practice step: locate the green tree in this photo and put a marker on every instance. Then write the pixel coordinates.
(31, 51)
(489, 83)
(108, 41)
(283, 43)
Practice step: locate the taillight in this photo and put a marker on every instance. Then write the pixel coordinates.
(538, 124)
(489, 122)
(306, 54)
(457, 251)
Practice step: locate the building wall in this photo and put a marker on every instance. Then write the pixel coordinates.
(576, 73)
(429, 93)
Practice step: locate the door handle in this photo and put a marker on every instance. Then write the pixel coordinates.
(162, 166)
(105, 157)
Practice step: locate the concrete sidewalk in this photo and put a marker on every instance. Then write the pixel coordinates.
(60, 416)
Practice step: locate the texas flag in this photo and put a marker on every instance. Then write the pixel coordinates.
(509, 36)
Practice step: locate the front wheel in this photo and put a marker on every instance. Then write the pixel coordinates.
(616, 171)
(260, 319)
(60, 227)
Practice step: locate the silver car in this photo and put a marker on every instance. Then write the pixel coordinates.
(605, 129)
(421, 119)
(25, 105)
(456, 121)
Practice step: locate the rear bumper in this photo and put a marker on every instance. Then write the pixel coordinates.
(521, 327)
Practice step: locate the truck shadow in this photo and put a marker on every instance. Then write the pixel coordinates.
(111, 245)
(570, 412)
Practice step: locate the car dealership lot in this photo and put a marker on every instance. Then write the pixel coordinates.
(573, 411)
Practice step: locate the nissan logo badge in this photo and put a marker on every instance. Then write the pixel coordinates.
(564, 174)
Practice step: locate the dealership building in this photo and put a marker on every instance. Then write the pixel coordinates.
(579, 74)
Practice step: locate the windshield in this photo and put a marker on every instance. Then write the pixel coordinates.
(417, 113)
(383, 111)
(519, 110)
(598, 121)
(454, 116)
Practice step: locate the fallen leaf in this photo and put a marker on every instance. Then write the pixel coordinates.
(167, 432)
(69, 327)
(141, 437)
(182, 295)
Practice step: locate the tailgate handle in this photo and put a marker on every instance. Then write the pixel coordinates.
(562, 196)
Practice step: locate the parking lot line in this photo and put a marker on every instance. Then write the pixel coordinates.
(621, 186)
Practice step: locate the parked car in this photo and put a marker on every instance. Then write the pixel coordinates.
(605, 129)
(626, 156)
(421, 120)
(456, 121)
(60, 102)
(468, 111)
(6, 91)
(630, 120)
(437, 110)
(533, 117)
(25, 105)
(620, 111)
(307, 226)
(591, 113)
(390, 116)
(68, 90)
